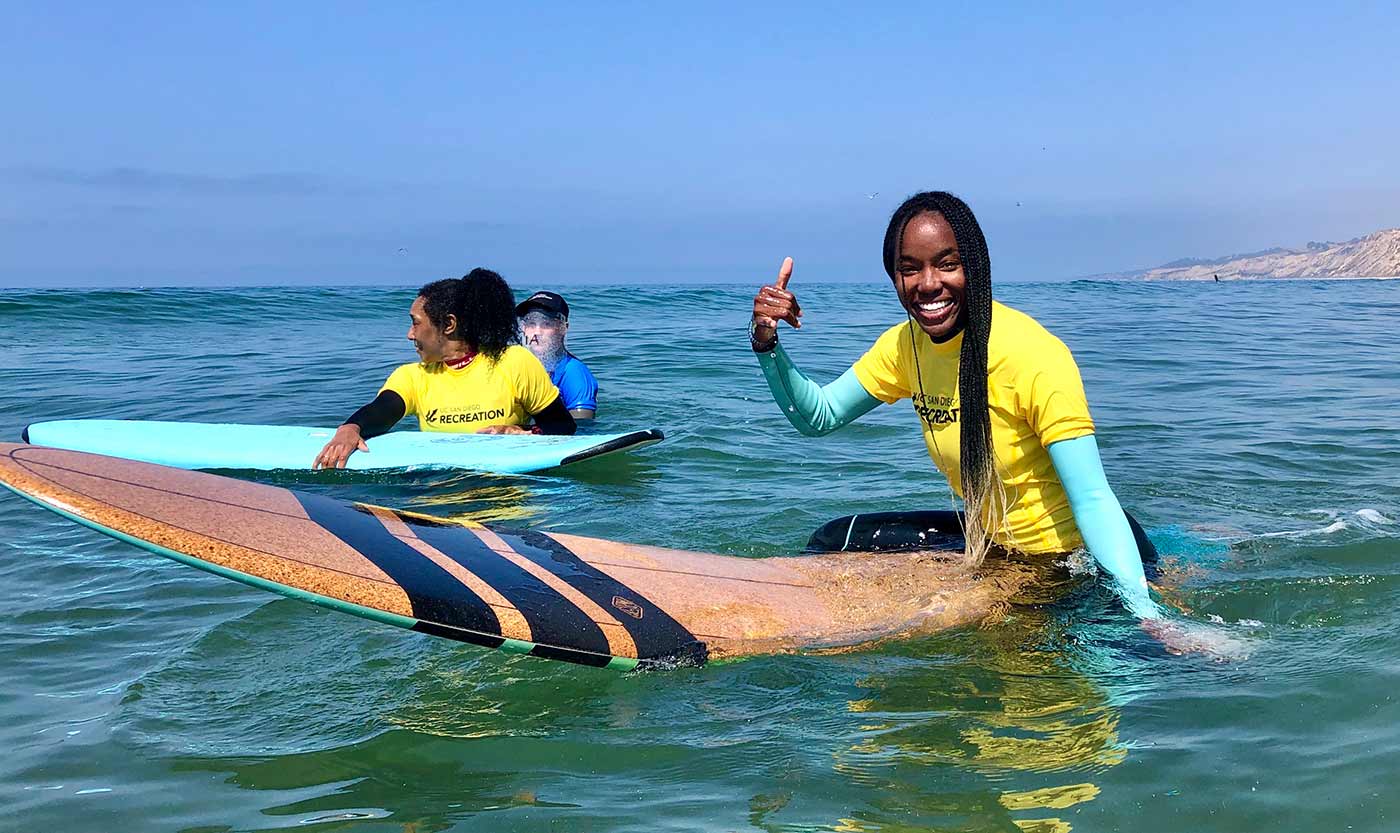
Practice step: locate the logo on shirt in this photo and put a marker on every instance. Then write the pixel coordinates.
(433, 417)
(936, 409)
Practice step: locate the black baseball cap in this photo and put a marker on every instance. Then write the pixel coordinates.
(549, 302)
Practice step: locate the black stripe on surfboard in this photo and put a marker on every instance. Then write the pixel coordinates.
(554, 620)
(651, 435)
(436, 597)
(658, 637)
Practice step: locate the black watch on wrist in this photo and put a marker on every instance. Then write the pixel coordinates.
(761, 346)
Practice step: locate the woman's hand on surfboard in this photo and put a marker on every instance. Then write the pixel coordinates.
(503, 429)
(347, 441)
(774, 303)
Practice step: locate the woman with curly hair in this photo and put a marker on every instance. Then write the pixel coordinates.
(472, 374)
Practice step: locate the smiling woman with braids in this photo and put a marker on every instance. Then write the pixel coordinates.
(472, 374)
(1000, 400)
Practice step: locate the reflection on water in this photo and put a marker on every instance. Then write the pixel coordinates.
(969, 729)
(1002, 713)
(480, 499)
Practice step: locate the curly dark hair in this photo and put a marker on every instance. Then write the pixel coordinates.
(979, 476)
(486, 313)
(441, 299)
(483, 305)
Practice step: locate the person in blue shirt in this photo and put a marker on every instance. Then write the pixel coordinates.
(544, 321)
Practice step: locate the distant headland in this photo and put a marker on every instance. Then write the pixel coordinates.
(1373, 256)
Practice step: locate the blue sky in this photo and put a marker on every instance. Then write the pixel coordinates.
(343, 143)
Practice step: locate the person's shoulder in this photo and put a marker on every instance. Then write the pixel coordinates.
(1006, 316)
(1014, 329)
(893, 331)
(1019, 342)
(405, 378)
(411, 370)
(893, 339)
(575, 366)
(518, 362)
(516, 355)
(891, 348)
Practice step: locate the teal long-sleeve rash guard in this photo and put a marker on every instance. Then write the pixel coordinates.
(816, 410)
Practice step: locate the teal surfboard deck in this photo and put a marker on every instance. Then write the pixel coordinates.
(200, 445)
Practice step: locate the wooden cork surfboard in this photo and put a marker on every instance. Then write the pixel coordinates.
(563, 597)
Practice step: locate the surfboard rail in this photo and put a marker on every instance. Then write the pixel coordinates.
(236, 446)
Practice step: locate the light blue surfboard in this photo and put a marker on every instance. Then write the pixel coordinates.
(203, 445)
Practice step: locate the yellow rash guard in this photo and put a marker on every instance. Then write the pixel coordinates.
(504, 392)
(1036, 398)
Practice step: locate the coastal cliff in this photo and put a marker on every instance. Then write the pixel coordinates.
(1373, 256)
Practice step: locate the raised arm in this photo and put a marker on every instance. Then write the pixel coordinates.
(812, 409)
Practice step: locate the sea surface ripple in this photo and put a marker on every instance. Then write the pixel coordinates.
(1253, 427)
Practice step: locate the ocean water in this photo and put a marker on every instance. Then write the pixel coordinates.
(1253, 427)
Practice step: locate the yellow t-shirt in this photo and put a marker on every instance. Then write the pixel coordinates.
(1035, 396)
(483, 393)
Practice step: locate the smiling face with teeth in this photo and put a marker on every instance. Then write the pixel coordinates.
(929, 276)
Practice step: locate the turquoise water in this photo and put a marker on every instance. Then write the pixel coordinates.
(1253, 427)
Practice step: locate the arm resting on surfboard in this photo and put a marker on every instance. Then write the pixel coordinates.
(1101, 521)
(555, 418)
(812, 409)
(380, 415)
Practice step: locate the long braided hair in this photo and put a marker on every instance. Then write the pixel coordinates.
(983, 496)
